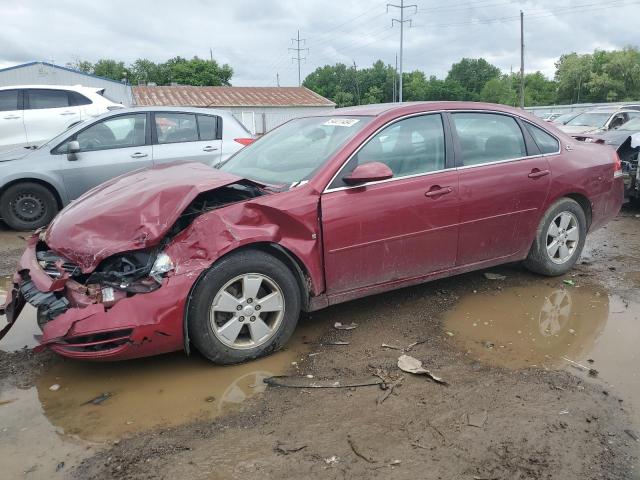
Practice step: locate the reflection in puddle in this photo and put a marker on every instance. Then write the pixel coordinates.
(538, 325)
(42, 426)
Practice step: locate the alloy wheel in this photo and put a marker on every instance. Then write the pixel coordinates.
(247, 311)
(563, 236)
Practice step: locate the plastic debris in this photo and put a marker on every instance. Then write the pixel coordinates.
(99, 399)
(409, 364)
(569, 282)
(493, 276)
(340, 326)
(55, 387)
(285, 449)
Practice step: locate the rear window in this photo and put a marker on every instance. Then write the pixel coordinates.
(8, 100)
(38, 99)
(545, 142)
(79, 99)
(207, 125)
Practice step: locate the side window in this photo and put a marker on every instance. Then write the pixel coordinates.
(8, 100)
(207, 127)
(117, 132)
(79, 99)
(176, 127)
(545, 142)
(42, 98)
(408, 147)
(488, 137)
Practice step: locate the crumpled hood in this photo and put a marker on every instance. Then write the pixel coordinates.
(129, 212)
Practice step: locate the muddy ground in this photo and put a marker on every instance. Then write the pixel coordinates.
(515, 352)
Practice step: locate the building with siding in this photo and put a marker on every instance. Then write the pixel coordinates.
(260, 109)
(43, 73)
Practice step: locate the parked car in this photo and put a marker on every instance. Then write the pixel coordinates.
(32, 114)
(598, 120)
(550, 117)
(626, 140)
(35, 184)
(565, 117)
(319, 211)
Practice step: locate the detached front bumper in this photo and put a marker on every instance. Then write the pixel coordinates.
(139, 325)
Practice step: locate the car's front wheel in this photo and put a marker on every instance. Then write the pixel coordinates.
(245, 306)
(559, 239)
(27, 206)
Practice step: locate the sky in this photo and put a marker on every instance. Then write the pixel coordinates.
(253, 36)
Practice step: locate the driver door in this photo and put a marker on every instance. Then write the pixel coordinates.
(397, 229)
(108, 148)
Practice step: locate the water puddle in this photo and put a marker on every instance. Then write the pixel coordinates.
(77, 406)
(543, 326)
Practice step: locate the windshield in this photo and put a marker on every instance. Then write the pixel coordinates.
(294, 151)
(65, 133)
(590, 119)
(633, 124)
(565, 117)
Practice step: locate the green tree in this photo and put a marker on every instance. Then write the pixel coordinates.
(111, 69)
(473, 74)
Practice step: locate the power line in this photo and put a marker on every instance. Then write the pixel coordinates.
(401, 22)
(298, 41)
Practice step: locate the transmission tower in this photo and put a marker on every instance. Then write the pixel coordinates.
(298, 41)
(401, 21)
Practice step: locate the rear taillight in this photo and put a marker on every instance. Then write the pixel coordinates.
(243, 141)
(617, 165)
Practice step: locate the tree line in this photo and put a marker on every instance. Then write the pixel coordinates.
(601, 76)
(182, 71)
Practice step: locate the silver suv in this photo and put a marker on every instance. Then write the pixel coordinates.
(35, 184)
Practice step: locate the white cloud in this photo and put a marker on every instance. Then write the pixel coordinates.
(253, 35)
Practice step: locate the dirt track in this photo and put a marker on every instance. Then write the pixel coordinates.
(548, 421)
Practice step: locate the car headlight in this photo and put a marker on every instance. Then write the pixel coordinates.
(161, 266)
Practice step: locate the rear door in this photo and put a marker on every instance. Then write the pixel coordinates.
(504, 181)
(186, 136)
(397, 229)
(108, 148)
(12, 131)
(48, 112)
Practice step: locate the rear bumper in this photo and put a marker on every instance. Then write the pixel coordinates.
(606, 206)
(136, 326)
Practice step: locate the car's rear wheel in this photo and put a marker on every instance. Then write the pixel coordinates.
(559, 239)
(245, 306)
(27, 206)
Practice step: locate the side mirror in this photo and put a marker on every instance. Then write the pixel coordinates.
(368, 172)
(73, 147)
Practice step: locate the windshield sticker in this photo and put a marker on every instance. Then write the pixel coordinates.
(341, 122)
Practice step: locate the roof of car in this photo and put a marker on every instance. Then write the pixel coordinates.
(211, 111)
(382, 108)
(609, 110)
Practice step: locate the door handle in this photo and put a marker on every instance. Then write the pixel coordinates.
(68, 113)
(12, 117)
(209, 148)
(436, 191)
(139, 155)
(537, 173)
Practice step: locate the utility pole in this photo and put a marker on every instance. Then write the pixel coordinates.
(402, 21)
(277, 79)
(297, 51)
(211, 54)
(355, 79)
(521, 60)
(395, 79)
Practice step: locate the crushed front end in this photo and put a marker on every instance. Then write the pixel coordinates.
(129, 306)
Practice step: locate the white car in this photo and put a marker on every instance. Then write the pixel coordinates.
(598, 120)
(32, 114)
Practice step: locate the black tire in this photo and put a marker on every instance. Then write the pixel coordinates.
(538, 260)
(200, 328)
(27, 206)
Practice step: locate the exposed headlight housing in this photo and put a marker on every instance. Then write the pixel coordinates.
(161, 266)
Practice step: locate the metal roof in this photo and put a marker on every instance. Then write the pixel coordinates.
(60, 67)
(183, 95)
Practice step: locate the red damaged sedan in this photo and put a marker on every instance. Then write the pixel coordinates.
(320, 211)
